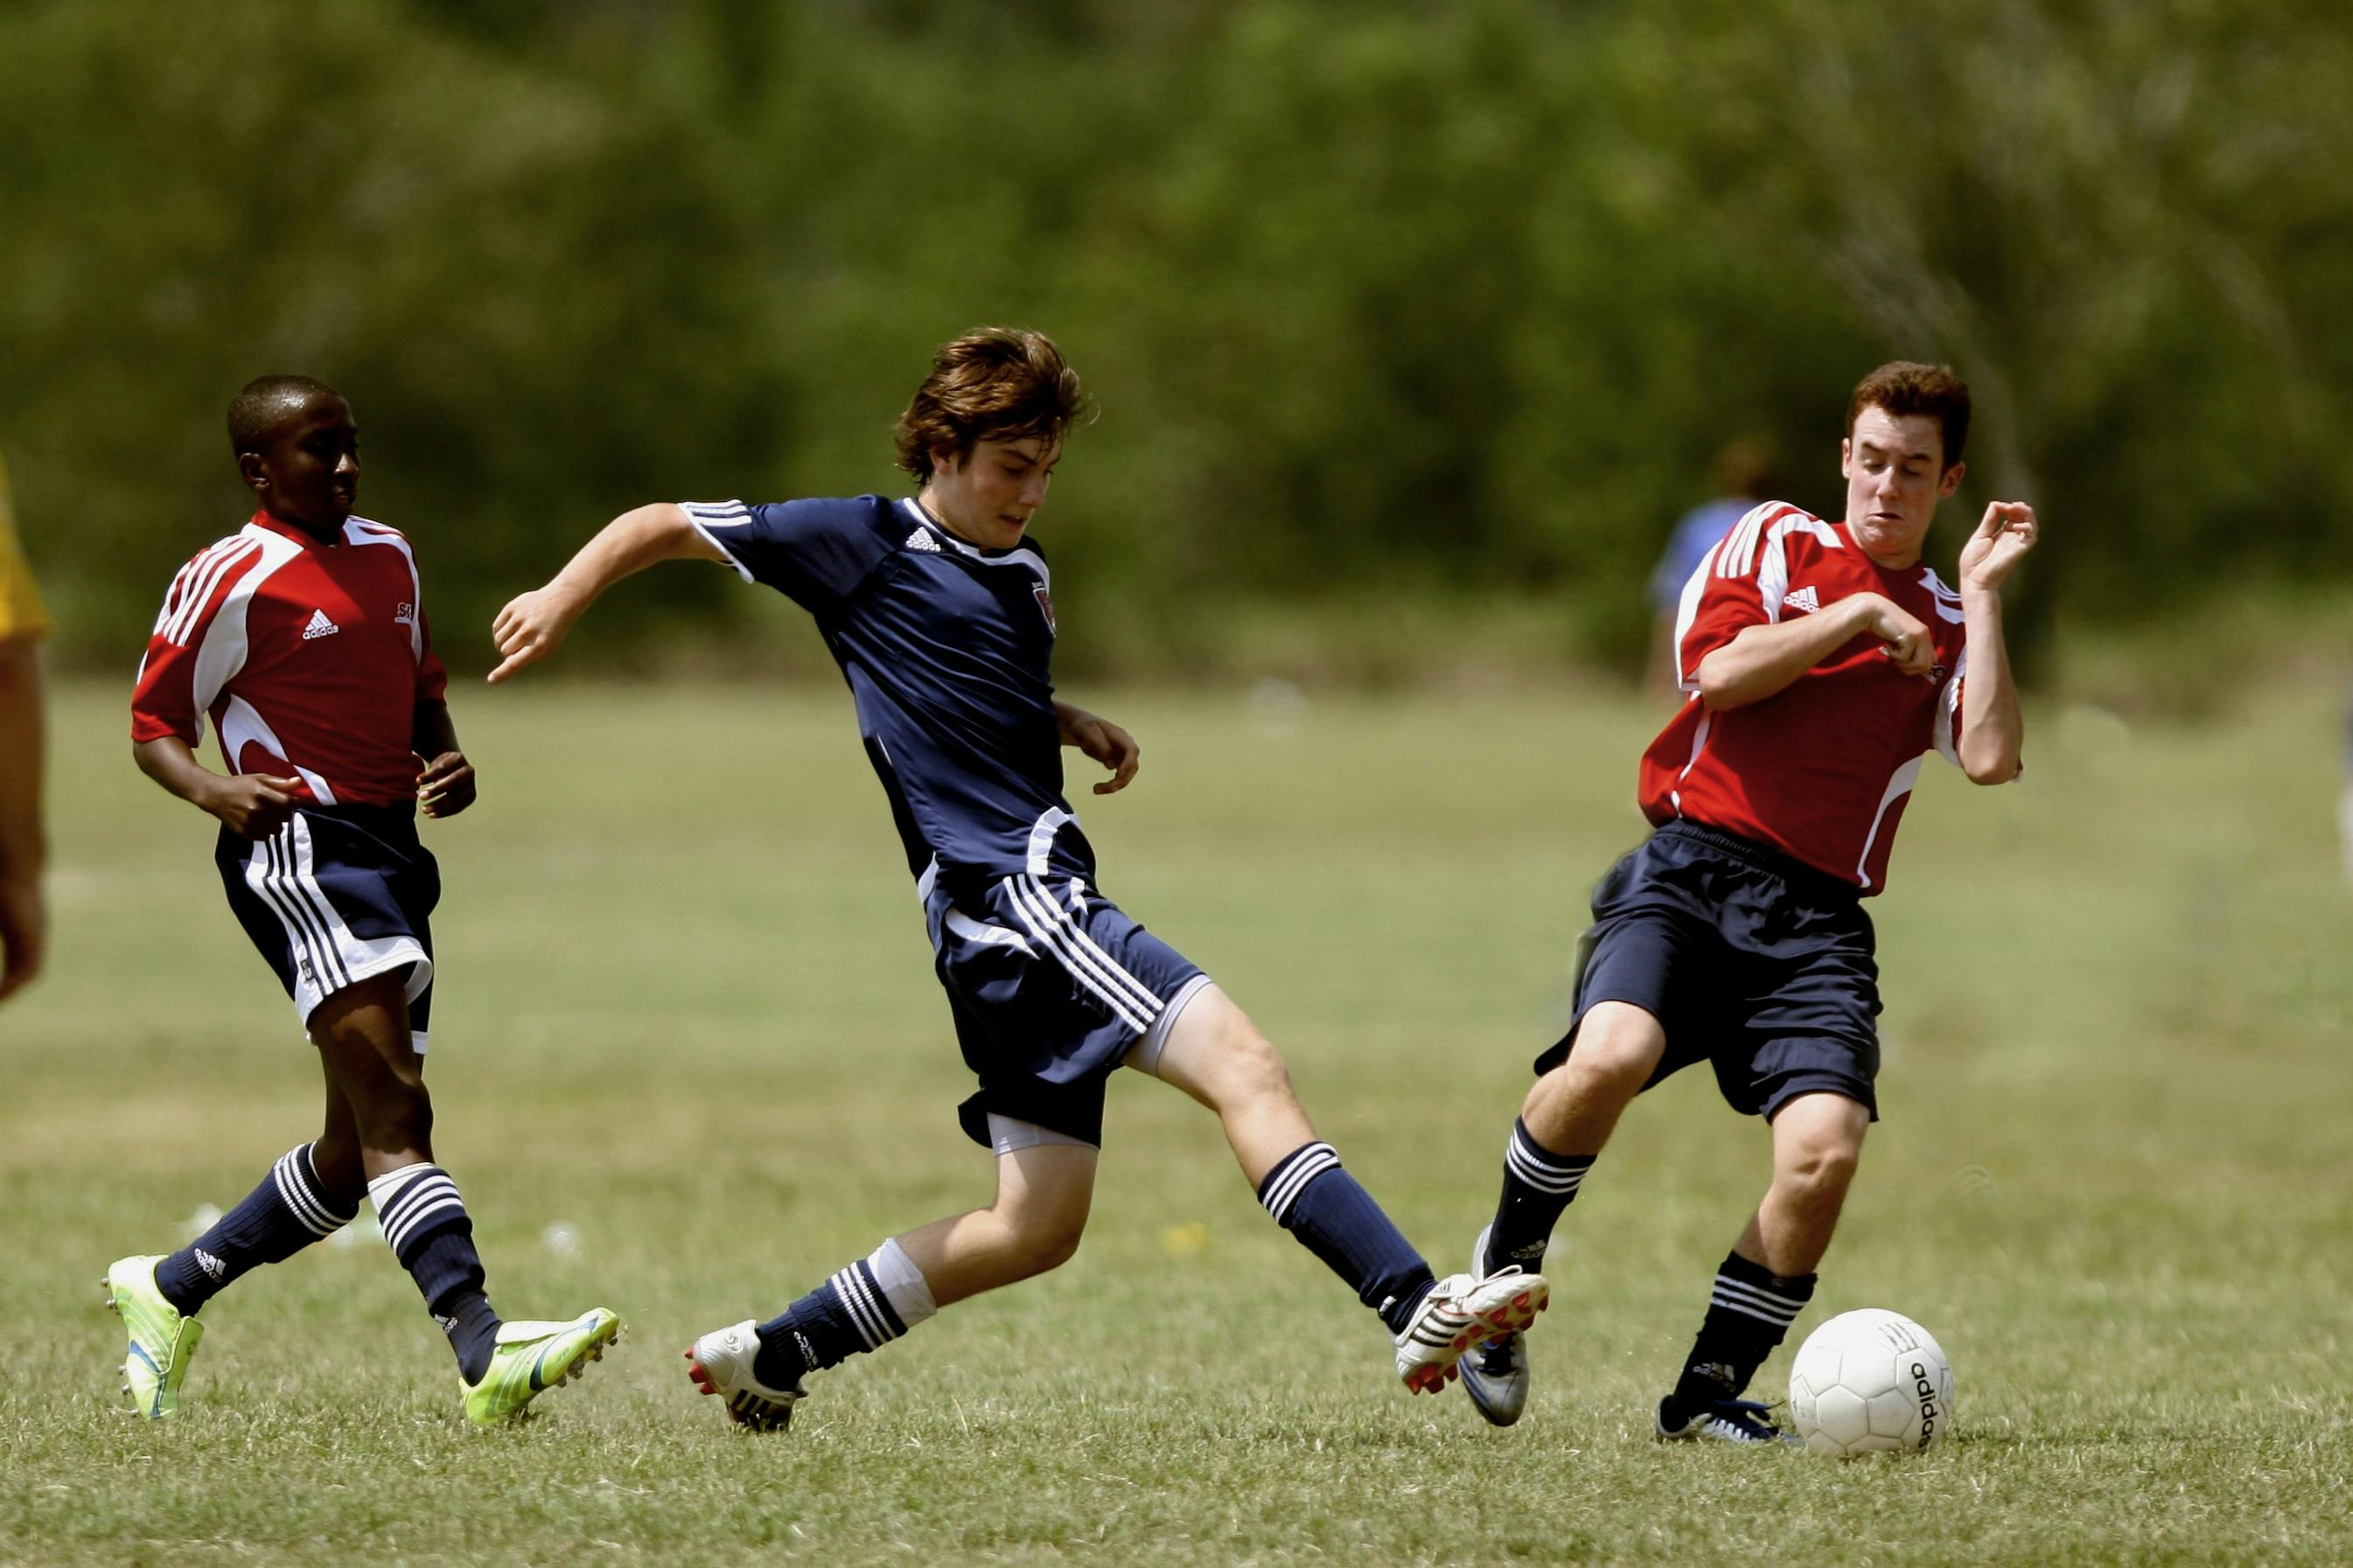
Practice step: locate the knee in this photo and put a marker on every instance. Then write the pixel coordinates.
(1617, 1049)
(1245, 1068)
(395, 1116)
(1818, 1174)
(1039, 1243)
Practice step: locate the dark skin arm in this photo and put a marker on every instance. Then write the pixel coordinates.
(446, 787)
(255, 805)
(251, 806)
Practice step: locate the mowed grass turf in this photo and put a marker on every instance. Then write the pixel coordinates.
(686, 1014)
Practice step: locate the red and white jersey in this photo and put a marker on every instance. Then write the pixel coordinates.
(309, 658)
(1821, 769)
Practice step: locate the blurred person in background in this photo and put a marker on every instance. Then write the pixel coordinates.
(1745, 473)
(23, 926)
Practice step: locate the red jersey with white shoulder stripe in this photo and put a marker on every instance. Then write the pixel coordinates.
(1819, 771)
(309, 658)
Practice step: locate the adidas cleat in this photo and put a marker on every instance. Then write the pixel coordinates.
(1495, 1373)
(720, 1362)
(1458, 1313)
(532, 1356)
(162, 1341)
(1727, 1421)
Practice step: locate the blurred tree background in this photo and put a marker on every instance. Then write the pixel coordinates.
(1409, 322)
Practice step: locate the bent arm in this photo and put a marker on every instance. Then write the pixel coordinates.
(172, 763)
(535, 625)
(1992, 729)
(1763, 660)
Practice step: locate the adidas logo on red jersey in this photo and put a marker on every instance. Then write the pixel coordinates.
(320, 627)
(1804, 601)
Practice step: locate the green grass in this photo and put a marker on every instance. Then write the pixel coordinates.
(685, 1008)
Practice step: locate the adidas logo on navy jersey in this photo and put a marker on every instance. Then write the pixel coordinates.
(320, 627)
(1804, 601)
(921, 540)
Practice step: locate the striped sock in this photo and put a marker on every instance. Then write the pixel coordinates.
(427, 1226)
(861, 1307)
(1333, 1217)
(288, 1211)
(1747, 1314)
(1537, 1185)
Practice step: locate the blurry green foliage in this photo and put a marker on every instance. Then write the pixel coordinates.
(1379, 300)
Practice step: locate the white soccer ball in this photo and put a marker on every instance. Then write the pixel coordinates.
(1871, 1382)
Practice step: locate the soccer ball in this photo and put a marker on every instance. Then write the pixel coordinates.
(1871, 1382)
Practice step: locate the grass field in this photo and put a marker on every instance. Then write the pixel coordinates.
(685, 1010)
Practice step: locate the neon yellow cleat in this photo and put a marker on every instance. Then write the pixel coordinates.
(161, 1340)
(532, 1356)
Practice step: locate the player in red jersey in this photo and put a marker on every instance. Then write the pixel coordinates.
(1821, 661)
(302, 639)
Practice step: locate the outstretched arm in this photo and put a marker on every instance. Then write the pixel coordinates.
(1992, 730)
(535, 625)
(1104, 741)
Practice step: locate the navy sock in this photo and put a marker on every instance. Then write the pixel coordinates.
(288, 1211)
(1748, 1312)
(845, 1315)
(1538, 1185)
(1333, 1217)
(428, 1230)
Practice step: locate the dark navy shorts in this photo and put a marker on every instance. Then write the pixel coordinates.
(1750, 960)
(339, 895)
(1051, 986)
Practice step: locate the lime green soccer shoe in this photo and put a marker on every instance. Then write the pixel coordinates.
(532, 1356)
(161, 1340)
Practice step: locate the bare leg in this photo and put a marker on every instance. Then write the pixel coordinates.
(1217, 1055)
(361, 1033)
(1043, 1195)
(1573, 1109)
(1817, 1141)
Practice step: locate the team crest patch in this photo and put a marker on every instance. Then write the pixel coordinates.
(1046, 606)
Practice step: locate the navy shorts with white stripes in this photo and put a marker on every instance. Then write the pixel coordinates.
(1052, 985)
(1749, 960)
(339, 895)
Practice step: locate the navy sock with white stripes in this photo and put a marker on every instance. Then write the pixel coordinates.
(426, 1224)
(848, 1314)
(1538, 1185)
(1748, 1312)
(288, 1211)
(1311, 1196)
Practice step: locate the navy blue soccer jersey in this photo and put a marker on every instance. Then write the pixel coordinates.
(948, 650)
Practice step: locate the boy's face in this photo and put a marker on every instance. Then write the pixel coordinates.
(308, 470)
(1895, 475)
(988, 495)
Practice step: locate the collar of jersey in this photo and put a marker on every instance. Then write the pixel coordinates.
(301, 536)
(914, 509)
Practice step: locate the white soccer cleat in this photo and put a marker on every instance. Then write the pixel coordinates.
(720, 1362)
(1458, 1313)
(1495, 1373)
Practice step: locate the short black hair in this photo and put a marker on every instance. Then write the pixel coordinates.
(258, 408)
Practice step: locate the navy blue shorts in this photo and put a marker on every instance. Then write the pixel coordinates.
(1052, 985)
(339, 895)
(1749, 960)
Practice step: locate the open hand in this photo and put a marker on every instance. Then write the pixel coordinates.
(2007, 531)
(531, 626)
(445, 786)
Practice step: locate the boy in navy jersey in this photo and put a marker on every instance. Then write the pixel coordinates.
(302, 639)
(1820, 662)
(940, 611)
